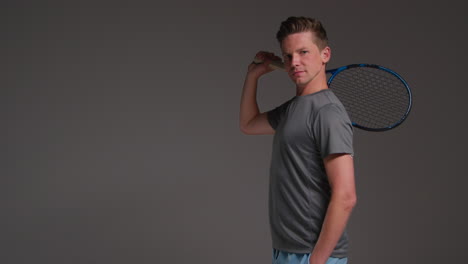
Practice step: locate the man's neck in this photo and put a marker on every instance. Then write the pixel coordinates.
(318, 84)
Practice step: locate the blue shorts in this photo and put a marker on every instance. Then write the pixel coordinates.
(282, 257)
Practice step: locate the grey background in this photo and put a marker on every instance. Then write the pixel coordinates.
(121, 140)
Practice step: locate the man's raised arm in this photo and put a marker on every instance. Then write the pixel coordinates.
(251, 121)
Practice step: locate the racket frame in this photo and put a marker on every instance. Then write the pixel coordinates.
(335, 72)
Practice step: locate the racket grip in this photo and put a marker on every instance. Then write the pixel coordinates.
(277, 65)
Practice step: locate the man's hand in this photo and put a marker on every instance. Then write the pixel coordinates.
(256, 70)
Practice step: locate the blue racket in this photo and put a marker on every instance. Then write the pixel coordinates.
(376, 98)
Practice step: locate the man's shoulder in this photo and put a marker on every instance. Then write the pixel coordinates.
(324, 101)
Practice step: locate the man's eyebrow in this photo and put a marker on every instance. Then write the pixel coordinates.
(303, 48)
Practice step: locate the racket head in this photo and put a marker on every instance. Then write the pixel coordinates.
(376, 98)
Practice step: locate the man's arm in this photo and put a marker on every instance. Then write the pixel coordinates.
(251, 121)
(340, 171)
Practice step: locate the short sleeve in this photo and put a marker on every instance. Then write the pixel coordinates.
(276, 115)
(333, 131)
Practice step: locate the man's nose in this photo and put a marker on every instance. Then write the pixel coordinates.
(295, 60)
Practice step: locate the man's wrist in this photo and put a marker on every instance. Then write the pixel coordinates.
(251, 80)
(317, 259)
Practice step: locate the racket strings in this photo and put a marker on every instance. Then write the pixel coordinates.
(373, 98)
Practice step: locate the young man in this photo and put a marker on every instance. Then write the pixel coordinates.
(312, 189)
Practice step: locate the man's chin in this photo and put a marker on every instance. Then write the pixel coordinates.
(300, 82)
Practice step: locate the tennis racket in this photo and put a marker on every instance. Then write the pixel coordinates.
(376, 98)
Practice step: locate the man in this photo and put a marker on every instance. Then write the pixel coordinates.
(312, 189)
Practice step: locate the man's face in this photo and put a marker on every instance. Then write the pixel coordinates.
(302, 58)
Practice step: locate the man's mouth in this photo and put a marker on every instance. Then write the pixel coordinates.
(296, 73)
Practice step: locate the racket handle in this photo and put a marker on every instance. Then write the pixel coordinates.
(277, 65)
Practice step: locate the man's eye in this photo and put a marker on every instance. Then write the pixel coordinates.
(304, 52)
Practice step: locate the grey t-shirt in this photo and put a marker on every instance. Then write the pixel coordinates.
(308, 128)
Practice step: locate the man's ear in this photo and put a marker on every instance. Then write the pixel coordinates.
(325, 54)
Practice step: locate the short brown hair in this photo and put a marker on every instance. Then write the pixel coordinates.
(303, 24)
